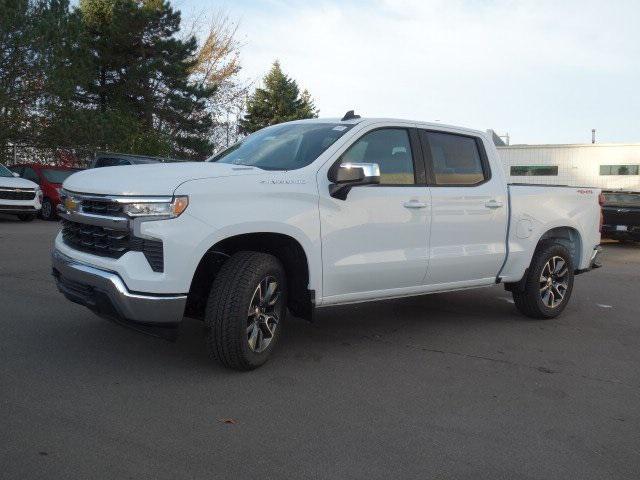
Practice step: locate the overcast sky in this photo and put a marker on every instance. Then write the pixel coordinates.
(544, 71)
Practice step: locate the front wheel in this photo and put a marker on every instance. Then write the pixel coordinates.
(245, 310)
(47, 212)
(548, 284)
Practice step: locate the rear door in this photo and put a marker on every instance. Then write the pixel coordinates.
(468, 210)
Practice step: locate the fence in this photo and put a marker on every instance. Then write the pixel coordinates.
(71, 157)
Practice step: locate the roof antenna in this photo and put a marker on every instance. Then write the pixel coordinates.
(350, 115)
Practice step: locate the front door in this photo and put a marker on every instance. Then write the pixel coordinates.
(374, 243)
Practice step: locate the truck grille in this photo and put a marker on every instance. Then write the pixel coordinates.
(102, 207)
(17, 194)
(106, 242)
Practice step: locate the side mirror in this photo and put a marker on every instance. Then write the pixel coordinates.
(15, 174)
(348, 175)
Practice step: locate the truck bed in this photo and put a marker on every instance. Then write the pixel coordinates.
(533, 212)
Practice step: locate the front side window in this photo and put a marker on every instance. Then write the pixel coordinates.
(455, 159)
(283, 147)
(534, 171)
(618, 169)
(5, 172)
(390, 148)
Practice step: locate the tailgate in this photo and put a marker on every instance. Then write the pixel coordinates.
(621, 216)
(621, 208)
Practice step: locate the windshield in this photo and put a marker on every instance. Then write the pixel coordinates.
(629, 199)
(5, 172)
(283, 147)
(57, 176)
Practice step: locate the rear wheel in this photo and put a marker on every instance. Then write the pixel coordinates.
(548, 284)
(245, 309)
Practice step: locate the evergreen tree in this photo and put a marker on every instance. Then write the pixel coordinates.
(279, 100)
(139, 83)
(35, 75)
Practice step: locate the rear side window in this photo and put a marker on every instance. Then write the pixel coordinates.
(455, 159)
(390, 148)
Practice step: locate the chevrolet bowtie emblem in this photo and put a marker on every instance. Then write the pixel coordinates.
(70, 203)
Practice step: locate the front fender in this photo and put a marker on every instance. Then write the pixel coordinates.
(238, 206)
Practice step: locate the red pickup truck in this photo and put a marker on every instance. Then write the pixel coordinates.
(50, 179)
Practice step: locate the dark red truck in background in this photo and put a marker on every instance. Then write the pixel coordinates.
(50, 179)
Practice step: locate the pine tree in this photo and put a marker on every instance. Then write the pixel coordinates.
(140, 80)
(35, 75)
(279, 100)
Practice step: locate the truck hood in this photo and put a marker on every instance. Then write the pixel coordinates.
(16, 182)
(150, 179)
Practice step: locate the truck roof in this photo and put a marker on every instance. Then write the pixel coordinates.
(373, 120)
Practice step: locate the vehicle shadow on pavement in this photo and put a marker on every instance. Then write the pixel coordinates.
(80, 336)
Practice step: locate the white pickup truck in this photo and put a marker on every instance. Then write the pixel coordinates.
(314, 213)
(19, 196)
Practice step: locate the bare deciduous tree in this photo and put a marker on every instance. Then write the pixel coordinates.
(218, 65)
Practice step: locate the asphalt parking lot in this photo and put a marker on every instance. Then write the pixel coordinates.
(455, 385)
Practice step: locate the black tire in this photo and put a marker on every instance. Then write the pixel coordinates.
(232, 298)
(47, 212)
(26, 217)
(535, 299)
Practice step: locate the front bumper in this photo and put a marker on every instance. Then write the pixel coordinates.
(106, 294)
(18, 209)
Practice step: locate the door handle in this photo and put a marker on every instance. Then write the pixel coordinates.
(414, 204)
(493, 204)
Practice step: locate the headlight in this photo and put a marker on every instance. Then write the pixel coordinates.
(170, 209)
(39, 194)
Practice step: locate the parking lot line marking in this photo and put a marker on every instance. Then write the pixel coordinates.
(506, 299)
(604, 306)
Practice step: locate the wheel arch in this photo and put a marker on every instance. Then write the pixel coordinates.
(284, 247)
(568, 236)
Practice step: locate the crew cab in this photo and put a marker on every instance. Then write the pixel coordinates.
(314, 213)
(49, 178)
(19, 196)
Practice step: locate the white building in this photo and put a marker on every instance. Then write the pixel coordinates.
(607, 166)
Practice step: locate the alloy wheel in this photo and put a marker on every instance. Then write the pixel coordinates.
(554, 282)
(263, 314)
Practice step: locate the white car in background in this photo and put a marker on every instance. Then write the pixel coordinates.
(19, 196)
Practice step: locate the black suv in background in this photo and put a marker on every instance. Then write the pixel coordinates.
(119, 159)
(621, 215)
